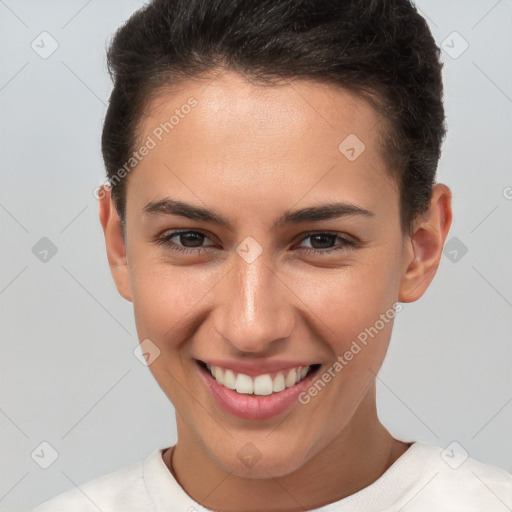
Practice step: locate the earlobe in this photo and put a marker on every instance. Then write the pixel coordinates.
(115, 243)
(425, 245)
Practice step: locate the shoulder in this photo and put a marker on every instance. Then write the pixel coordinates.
(451, 480)
(121, 490)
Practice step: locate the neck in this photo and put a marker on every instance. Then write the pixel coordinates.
(353, 460)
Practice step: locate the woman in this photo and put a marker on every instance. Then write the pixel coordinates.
(271, 202)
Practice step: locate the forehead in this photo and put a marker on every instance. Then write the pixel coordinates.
(229, 101)
(248, 142)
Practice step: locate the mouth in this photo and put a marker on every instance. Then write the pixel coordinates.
(263, 384)
(256, 397)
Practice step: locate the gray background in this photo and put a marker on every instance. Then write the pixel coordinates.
(68, 373)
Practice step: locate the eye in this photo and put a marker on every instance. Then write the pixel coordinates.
(191, 242)
(191, 239)
(327, 239)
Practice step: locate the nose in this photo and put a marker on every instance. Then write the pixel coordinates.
(256, 310)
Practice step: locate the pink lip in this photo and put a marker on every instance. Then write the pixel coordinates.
(253, 407)
(254, 369)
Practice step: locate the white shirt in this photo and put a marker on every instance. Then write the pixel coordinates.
(424, 479)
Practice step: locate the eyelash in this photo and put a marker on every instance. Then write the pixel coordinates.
(166, 240)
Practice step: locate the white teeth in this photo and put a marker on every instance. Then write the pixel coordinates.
(262, 385)
(243, 384)
(229, 379)
(278, 384)
(291, 378)
(218, 373)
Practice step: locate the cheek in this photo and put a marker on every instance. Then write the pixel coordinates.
(347, 305)
(164, 297)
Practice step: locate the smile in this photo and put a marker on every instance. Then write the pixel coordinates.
(262, 385)
(258, 396)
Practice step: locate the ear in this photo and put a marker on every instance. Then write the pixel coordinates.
(114, 241)
(424, 248)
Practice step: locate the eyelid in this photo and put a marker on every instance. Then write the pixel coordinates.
(341, 235)
(166, 236)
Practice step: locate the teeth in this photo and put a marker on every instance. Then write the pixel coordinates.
(278, 384)
(243, 384)
(229, 379)
(218, 373)
(262, 384)
(291, 378)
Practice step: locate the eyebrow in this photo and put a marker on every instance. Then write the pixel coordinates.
(327, 211)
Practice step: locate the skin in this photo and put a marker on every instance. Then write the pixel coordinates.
(250, 153)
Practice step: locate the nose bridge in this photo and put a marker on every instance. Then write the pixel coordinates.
(254, 312)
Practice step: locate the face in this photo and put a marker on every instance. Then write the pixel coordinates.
(259, 282)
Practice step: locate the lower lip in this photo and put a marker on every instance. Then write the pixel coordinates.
(254, 407)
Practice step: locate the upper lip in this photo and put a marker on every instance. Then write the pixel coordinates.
(256, 368)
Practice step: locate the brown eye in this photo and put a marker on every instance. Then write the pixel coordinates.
(191, 238)
(189, 241)
(322, 243)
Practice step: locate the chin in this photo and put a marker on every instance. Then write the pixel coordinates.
(270, 462)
